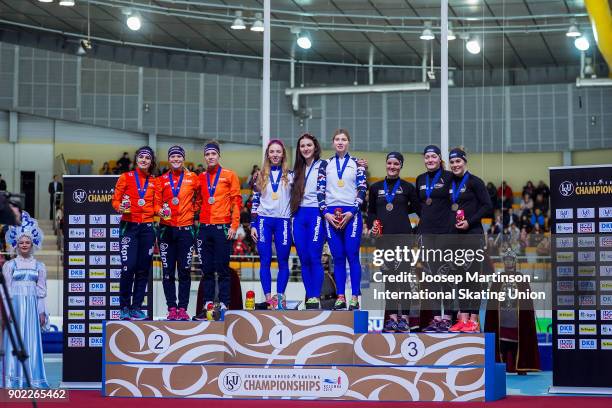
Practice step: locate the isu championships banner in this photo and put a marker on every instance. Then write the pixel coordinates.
(581, 212)
(92, 268)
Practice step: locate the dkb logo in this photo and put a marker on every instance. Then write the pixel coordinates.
(79, 196)
(566, 188)
(231, 381)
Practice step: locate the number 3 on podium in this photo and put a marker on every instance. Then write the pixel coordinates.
(280, 336)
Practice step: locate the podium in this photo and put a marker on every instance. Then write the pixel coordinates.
(296, 355)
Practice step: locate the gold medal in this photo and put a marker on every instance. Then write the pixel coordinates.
(455, 207)
(274, 195)
(340, 183)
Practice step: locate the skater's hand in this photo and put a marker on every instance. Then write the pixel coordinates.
(43, 319)
(231, 233)
(462, 225)
(331, 218)
(122, 207)
(345, 219)
(254, 234)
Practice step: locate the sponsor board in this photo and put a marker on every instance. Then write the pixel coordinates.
(564, 213)
(587, 286)
(565, 300)
(564, 228)
(114, 287)
(587, 315)
(565, 315)
(605, 256)
(606, 344)
(586, 227)
(585, 213)
(605, 314)
(97, 260)
(587, 329)
(97, 273)
(605, 285)
(114, 233)
(605, 300)
(588, 344)
(115, 260)
(114, 301)
(115, 314)
(115, 273)
(76, 246)
(586, 242)
(95, 342)
(565, 329)
(605, 212)
(605, 270)
(114, 246)
(97, 286)
(76, 287)
(74, 233)
(76, 260)
(97, 246)
(98, 300)
(97, 314)
(283, 382)
(566, 344)
(606, 329)
(565, 286)
(76, 273)
(97, 233)
(586, 256)
(565, 271)
(605, 241)
(115, 219)
(97, 219)
(565, 257)
(76, 314)
(76, 301)
(76, 219)
(565, 242)
(95, 328)
(586, 270)
(76, 328)
(587, 300)
(76, 341)
(605, 226)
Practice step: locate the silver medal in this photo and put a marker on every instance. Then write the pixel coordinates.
(175, 201)
(211, 200)
(141, 202)
(455, 207)
(389, 206)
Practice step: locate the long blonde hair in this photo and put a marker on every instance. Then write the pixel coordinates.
(262, 182)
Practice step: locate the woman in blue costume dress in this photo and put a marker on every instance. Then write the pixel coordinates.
(26, 280)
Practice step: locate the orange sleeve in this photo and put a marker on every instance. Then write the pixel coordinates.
(157, 200)
(197, 205)
(236, 200)
(120, 188)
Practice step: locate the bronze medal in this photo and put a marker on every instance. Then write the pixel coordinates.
(389, 206)
(428, 201)
(455, 207)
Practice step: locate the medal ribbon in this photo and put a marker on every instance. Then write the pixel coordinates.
(143, 191)
(309, 170)
(341, 171)
(213, 188)
(277, 182)
(430, 187)
(391, 196)
(457, 191)
(175, 192)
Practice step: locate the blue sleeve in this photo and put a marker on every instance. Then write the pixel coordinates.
(361, 188)
(321, 187)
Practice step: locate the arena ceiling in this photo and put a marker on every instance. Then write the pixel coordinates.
(514, 33)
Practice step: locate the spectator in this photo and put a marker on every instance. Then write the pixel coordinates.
(524, 239)
(541, 203)
(529, 188)
(506, 203)
(514, 238)
(543, 248)
(123, 164)
(55, 188)
(250, 183)
(105, 170)
(538, 219)
(2, 184)
(543, 188)
(505, 191)
(200, 168)
(526, 204)
(525, 221)
(240, 249)
(536, 235)
(498, 226)
(510, 218)
(190, 167)
(493, 196)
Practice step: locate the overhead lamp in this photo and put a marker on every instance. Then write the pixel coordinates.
(450, 36)
(304, 41)
(573, 30)
(133, 20)
(588, 67)
(473, 45)
(238, 23)
(427, 34)
(84, 46)
(582, 43)
(67, 3)
(45, 1)
(258, 25)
